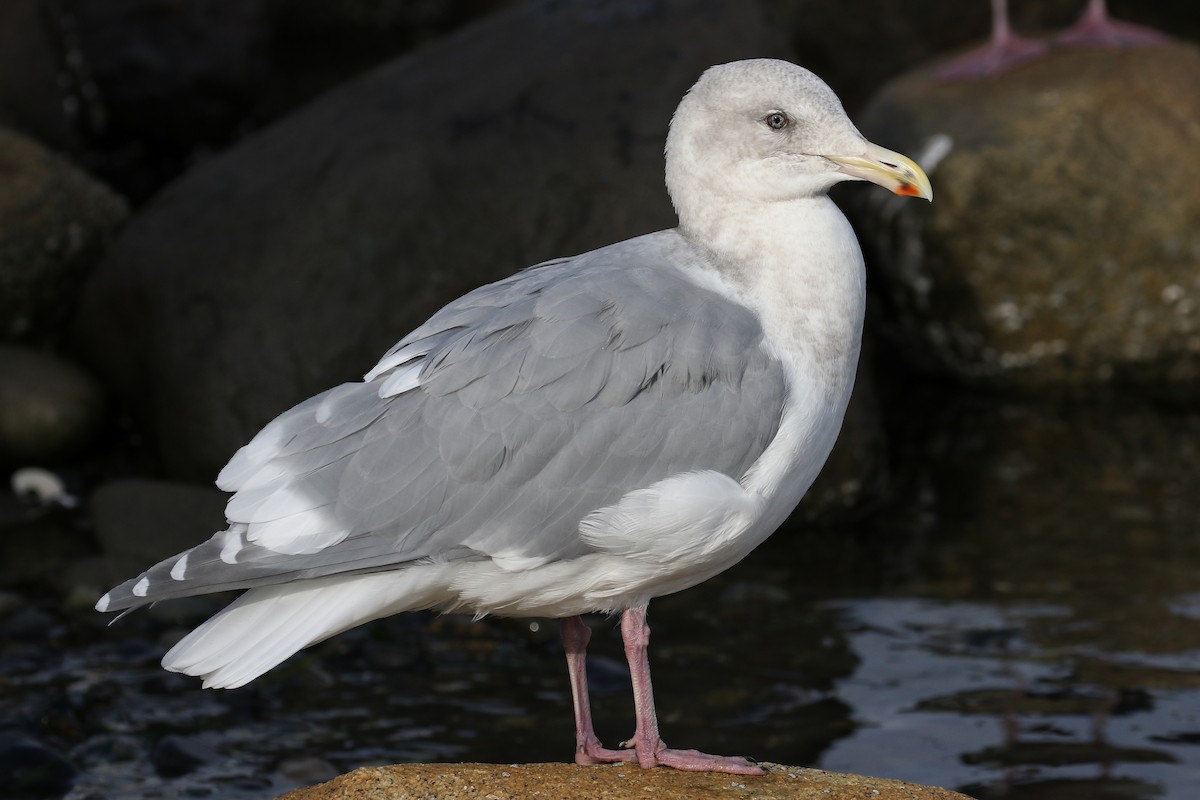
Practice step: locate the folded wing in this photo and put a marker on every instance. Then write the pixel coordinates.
(493, 429)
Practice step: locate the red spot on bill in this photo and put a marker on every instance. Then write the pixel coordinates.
(908, 190)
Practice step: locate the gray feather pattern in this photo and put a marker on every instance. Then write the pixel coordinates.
(542, 398)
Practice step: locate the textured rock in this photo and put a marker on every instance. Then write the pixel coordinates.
(1063, 245)
(293, 261)
(501, 782)
(54, 221)
(49, 408)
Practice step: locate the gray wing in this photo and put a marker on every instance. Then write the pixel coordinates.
(495, 427)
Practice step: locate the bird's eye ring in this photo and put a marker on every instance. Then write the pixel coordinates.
(777, 120)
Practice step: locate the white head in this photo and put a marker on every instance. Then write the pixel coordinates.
(763, 131)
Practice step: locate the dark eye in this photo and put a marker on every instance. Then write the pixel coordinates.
(777, 120)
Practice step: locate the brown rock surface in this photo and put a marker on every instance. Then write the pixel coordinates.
(1063, 245)
(572, 782)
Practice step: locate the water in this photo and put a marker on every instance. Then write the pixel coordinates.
(1020, 620)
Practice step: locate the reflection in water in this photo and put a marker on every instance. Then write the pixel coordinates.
(1055, 651)
(1022, 621)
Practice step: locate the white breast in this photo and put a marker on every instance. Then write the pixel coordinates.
(798, 266)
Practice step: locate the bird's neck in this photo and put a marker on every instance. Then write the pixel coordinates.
(798, 265)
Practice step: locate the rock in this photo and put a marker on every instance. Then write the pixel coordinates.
(355, 35)
(29, 768)
(49, 408)
(306, 769)
(139, 522)
(453, 781)
(31, 100)
(170, 83)
(28, 623)
(170, 80)
(54, 222)
(1063, 245)
(855, 59)
(291, 262)
(10, 603)
(178, 755)
(39, 549)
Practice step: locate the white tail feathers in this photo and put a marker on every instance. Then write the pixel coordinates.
(265, 626)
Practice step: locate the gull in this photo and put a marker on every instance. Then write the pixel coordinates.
(583, 436)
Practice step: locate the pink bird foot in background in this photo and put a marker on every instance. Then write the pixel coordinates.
(1097, 29)
(646, 747)
(1005, 51)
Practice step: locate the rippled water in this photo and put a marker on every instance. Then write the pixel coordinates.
(1022, 620)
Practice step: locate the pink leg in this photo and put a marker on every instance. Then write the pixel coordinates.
(651, 752)
(1097, 29)
(575, 636)
(1005, 51)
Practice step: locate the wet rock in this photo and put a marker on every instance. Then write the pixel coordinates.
(1063, 244)
(139, 522)
(178, 755)
(54, 222)
(29, 622)
(291, 262)
(49, 407)
(307, 769)
(110, 748)
(453, 781)
(29, 768)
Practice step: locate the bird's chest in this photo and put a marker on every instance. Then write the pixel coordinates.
(809, 425)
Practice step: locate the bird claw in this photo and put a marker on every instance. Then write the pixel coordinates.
(695, 761)
(660, 755)
(592, 752)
